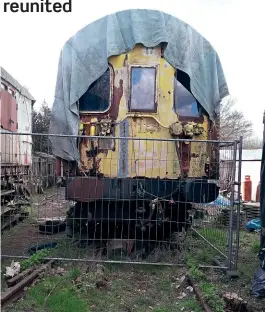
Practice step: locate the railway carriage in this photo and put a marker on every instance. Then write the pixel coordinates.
(147, 149)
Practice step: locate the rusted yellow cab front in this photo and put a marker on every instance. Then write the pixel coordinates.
(139, 97)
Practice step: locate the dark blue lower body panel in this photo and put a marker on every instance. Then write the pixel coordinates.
(88, 189)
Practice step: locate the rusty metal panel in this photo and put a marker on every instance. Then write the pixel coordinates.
(8, 111)
(93, 189)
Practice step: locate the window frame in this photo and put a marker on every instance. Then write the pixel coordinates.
(49, 169)
(12, 92)
(111, 70)
(155, 109)
(186, 117)
(4, 86)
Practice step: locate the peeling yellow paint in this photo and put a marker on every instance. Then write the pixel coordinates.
(148, 158)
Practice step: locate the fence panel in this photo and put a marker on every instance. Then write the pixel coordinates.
(127, 199)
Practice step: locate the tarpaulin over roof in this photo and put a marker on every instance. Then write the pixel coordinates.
(84, 58)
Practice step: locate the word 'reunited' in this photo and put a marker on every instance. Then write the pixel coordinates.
(41, 6)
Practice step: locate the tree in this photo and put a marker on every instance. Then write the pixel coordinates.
(252, 143)
(233, 124)
(40, 125)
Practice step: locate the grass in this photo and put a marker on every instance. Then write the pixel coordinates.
(192, 305)
(35, 259)
(214, 283)
(143, 288)
(54, 294)
(126, 288)
(212, 296)
(65, 299)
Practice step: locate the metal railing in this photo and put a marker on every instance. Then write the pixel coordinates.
(129, 200)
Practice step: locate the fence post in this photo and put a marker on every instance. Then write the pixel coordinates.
(232, 200)
(240, 149)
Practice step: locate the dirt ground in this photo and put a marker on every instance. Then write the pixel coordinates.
(50, 205)
(18, 239)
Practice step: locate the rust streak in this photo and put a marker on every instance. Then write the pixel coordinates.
(185, 157)
(117, 95)
(212, 149)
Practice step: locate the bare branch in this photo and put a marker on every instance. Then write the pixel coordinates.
(252, 143)
(233, 124)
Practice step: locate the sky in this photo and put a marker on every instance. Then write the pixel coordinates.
(31, 43)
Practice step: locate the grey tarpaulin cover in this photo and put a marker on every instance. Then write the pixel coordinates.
(84, 58)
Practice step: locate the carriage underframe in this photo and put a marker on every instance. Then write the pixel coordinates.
(149, 212)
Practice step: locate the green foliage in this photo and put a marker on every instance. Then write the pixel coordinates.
(74, 274)
(215, 301)
(256, 247)
(209, 291)
(41, 124)
(194, 271)
(192, 305)
(67, 301)
(36, 258)
(56, 294)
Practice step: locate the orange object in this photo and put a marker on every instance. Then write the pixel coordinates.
(258, 193)
(247, 188)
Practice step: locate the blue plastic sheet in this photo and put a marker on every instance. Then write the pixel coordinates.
(254, 225)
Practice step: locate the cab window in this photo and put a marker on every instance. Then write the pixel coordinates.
(97, 97)
(143, 89)
(185, 103)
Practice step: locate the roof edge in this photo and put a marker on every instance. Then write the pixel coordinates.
(24, 91)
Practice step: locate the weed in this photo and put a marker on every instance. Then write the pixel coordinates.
(208, 290)
(191, 304)
(36, 258)
(194, 271)
(74, 274)
(256, 247)
(211, 294)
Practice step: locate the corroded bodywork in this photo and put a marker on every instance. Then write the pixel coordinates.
(150, 158)
(144, 150)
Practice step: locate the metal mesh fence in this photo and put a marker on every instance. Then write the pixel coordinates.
(125, 200)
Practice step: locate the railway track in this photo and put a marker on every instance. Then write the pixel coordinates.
(17, 284)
